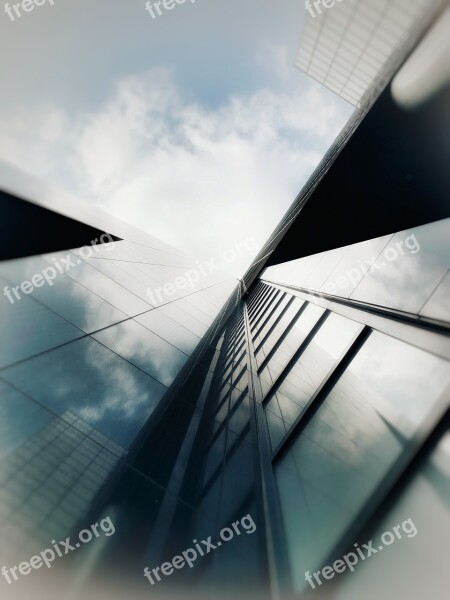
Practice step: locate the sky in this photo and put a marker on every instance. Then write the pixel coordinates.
(195, 126)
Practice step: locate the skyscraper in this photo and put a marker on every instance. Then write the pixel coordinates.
(311, 398)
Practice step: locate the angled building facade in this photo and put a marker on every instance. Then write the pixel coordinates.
(351, 46)
(269, 426)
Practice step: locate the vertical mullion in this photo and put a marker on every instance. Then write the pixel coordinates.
(280, 578)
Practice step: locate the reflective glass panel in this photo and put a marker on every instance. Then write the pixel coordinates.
(144, 349)
(294, 338)
(356, 435)
(67, 298)
(313, 366)
(422, 515)
(409, 269)
(173, 332)
(29, 328)
(92, 382)
(280, 329)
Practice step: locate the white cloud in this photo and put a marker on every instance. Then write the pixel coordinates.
(198, 178)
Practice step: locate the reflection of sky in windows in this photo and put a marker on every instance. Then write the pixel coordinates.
(144, 349)
(405, 377)
(91, 381)
(50, 479)
(108, 289)
(96, 297)
(279, 328)
(426, 501)
(354, 438)
(67, 298)
(307, 374)
(293, 339)
(334, 335)
(128, 275)
(407, 281)
(181, 316)
(20, 418)
(28, 328)
(302, 327)
(171, 331)
(112, 381)
(438, 305)
(409, 271)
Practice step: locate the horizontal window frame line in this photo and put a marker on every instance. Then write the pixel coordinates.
(230, 380)
(228, 397)
(218, 471)
(224, 423)
(392, 313)
(316, 400)
(396, 478)
(283, 336)
(427, 334)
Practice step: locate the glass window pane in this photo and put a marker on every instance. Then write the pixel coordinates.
(240, 415)
(108, 289)
(173, 332)
(356, 435)
(423, 511)
(277, 429)
(29, 328)
(144, 349)
(280, 329)
(408, 271)
(264, 327)
(67, 298)
(93, 383)
(438, 305)
(139, 281)
(184, 318)
(313, 366)
(294, 339)
(20, 418)
(354, 265)
(294, 272)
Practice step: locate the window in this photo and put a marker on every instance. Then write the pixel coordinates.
(311, 369)
(343, 454)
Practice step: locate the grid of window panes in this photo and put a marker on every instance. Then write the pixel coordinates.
(221, 477)
(366, 414)
(94, 332)
(104, 410)
(407, 271)
(87, 365)
(421, 509)
(345, 46)
(49, 481)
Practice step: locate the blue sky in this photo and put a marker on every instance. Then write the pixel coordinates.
(195, 126)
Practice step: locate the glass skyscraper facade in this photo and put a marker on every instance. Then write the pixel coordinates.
(316, 402)
(311, 397)
(90, 361)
